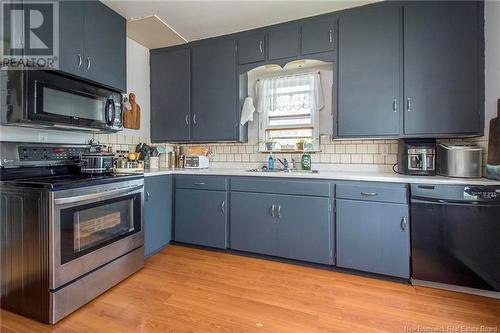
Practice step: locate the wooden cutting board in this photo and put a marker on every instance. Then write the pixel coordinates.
(132, 117)
(494, 140)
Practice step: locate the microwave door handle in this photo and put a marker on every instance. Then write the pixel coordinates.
(110, 108)
(107, 194)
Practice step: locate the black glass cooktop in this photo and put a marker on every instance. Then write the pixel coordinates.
(64, 180)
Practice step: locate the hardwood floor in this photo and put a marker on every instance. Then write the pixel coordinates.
(183, 289)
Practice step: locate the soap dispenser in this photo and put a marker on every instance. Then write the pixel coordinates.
(270, 162)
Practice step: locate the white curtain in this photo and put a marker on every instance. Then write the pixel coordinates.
(268, 99)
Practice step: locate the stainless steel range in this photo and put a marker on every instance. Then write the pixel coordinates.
(66, 237)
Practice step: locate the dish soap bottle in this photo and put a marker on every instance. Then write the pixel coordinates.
(270, 162)
(305, 161)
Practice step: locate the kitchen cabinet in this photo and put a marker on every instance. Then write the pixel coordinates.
(318, 35)
(368, 72)
(373, 235)
(251, 48)
(157, 213)
(283, 41)
(443, 56)
(289, 226)
(214, 91)
(201, 213)
(170, 94)
(87, 52)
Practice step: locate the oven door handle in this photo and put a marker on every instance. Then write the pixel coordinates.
(107, 194)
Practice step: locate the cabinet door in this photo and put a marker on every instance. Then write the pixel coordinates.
(369, 62)
(304, 228)
(71, 32)
(253, 227)
(284, 41)
(318, 35)
(441, 75)
(200, 217)
(170, 91)
(251, 49)
(105, 58)
(157, 213)
(214, 99)
(373, 237)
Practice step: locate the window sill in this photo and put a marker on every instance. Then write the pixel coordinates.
(289, 151)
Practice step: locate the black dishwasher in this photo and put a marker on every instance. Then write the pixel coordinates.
(455, 236)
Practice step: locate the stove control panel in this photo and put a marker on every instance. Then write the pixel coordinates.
(41, 153)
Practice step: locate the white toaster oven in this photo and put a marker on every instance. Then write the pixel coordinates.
(196, 162)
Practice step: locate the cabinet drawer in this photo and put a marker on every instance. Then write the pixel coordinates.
(373, 192)
(201, 182)
(291, 187)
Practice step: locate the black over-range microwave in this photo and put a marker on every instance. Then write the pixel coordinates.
(48, 99)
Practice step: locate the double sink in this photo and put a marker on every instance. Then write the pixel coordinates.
(265, 170)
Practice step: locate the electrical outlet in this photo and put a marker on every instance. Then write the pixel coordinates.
(43, 137)
(385, 150)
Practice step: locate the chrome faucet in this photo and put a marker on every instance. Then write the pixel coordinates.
(284, 163)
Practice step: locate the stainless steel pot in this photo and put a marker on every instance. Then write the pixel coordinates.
(96, 163)
(460, 160)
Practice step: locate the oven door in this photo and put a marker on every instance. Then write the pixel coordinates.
(93, 226)
(70, 103)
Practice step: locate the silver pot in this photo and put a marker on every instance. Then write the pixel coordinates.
(96, 163)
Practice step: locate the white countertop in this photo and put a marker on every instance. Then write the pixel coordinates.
(389, 177)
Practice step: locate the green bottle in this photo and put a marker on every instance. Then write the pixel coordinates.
(305, 161)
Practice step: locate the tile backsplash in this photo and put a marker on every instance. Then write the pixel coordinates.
(373, 155)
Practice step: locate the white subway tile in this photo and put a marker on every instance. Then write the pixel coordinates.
(362, 149)
(345, 158)
(350, 149)
(367, 159)
(356, 158)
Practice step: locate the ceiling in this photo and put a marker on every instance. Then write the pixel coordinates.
(193, 20)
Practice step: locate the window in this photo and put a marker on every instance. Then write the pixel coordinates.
(288, 108)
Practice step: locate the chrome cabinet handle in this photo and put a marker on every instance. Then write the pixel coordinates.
(199, 183)
(330, 35)
(79, 60)
(147, 196)
(194, 119)
(186, 119)
(369, 194)
(395, 105)
(89, 64)
(273, 207)
(279, 211)
(408, 104)
(404, 223)
(223, 207)
(261, 49)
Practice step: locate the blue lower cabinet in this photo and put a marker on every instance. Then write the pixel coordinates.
(294, 227)
(157, 213)
(304, 228)
(201, 217)
(373, 237)
(253, 227)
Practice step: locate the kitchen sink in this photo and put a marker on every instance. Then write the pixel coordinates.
(282, 171)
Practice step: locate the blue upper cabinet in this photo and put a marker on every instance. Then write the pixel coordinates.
(170, 94)
(85, 51)
(443, 71)
(251, 48)
(318, 35)
(283, 41)
(368, 72)
(214, 91)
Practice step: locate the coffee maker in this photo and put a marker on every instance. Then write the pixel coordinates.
(417, 157)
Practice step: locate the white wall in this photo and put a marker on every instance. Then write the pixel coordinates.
(492, 61)
(137, 82)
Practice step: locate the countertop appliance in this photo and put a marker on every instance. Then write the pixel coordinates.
(48, 99)
(455, 232)
(196, 162)
(417, 157)
(67, 236)
(462, 160)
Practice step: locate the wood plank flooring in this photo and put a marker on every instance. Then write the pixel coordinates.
(183, 289)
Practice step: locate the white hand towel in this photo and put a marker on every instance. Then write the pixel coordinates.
(247, 111)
